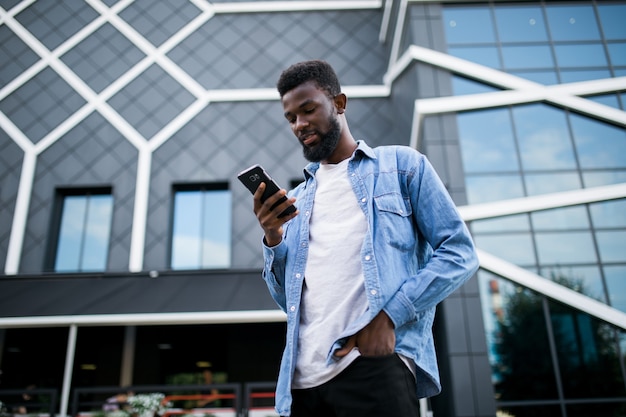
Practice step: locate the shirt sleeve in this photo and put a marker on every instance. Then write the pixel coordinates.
(274, 259)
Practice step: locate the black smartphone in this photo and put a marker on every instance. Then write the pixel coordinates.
(254, 176)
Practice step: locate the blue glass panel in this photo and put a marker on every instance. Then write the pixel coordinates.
(516, 248)
(584, 279)
(71, 234)
(97, 231)
(527, 57)
(617, 52)
(461, 86)
(612, 18)
(186, 230)
(468, 25)
(541, 77)
(520, 24)
(543, 137)
(483, 189)
(598, 178)
(572, 23)
(599, 145)
(551, 183)
(516, 223)
(608, 100)
(566, 218)
(609, 214)
(487, 150)
(487, 56)
(216, 242)
(569, 76)
(616, 282)
(564, 248)
(580, 56)
(612, 245)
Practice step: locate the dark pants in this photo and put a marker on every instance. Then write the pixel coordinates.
(369, 387)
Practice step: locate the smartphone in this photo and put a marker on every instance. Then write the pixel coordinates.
(254, 176)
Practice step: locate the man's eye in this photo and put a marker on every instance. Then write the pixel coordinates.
(308, 111)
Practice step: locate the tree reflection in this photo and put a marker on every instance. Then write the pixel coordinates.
(587, 352)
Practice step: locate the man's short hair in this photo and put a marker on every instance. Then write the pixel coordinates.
(317, 71)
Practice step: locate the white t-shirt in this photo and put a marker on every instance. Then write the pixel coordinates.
(334, 292)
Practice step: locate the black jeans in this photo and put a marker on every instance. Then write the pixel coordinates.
(369, 387)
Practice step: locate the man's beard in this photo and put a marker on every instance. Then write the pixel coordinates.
(327, 144)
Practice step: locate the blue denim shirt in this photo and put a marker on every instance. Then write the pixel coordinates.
(416, 252)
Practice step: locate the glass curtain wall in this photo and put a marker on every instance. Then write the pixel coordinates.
(548, 359)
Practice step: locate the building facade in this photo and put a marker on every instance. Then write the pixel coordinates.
(129, 251)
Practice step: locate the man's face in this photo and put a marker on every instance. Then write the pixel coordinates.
(313, 119)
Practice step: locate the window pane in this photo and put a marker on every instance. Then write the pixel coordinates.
(612, 245)
(544, 138)
(527, 57)
(468, 25)
(561, 219)
(572, 76)
(609, 213)
(537, 184)
(584, 279)
(572, 23)
(616, 283)
(71, 234)
(483, 189)
(595, 179)
(484, 56)
(84, 231)
(565, 248)
(580, 56)
(201, 233)
(462, 86)
(97, 230)
(516, 248)
(541, 77)
(617, 53)
(491, 151)
(612, 20)
(516, 24)
(515, 223)
(216, 231)
(599, 145)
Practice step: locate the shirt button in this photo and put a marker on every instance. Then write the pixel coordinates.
(298, 275)
(373, 292)
(292, 308)
(368, 257)
(363, 200)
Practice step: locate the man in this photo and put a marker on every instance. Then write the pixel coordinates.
(375, 244)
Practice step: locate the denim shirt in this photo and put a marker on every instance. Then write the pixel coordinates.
(416, 252)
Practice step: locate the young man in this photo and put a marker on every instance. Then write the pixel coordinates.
(375, 244)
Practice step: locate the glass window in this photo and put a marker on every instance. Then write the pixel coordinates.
(486, 188)
(515, 223)
(584, 279)
(543, 137)
(487, 56)
(566, 218)
(598, 178)
(520, 24)
(516, 248)
(468, 25)
(617, 53)
(462, 85)
(565, 248)
(84, 230)
(612, 20)
(572, 23)
(527, 57)
(537, 184)
(608, 100)
(615, 276)
(609, 213)
(612, 245)
(599, 145)
(201, 232)
(541, 77)
(572, 76)
(580, 56)
(487, 150)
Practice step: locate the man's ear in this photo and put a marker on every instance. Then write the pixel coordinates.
(340, 101)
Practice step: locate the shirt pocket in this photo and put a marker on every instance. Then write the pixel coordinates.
(394, 220)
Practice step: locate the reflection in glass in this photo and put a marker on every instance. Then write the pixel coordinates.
(486, 188)
(583, 279)
(520, 24)
(84, 233)
(612, 245)
(202, 229)
(573, 76)
(537, 184)
(599, 145)
(608, 100)
(615, 276)
(599, 178)
(612, 20)
(572, 23)
(516, 223)
(487, 150)
(516, 248)
(566, 218)
(544, 139)
(527, 57)
(564, 248)
(609, 213)
(462, 85)
(617, 53)
(487, 56)
(580, 56)
(468, 25)
(541, 77)
(588, 354)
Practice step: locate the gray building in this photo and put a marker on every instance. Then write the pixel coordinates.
(129, 253)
